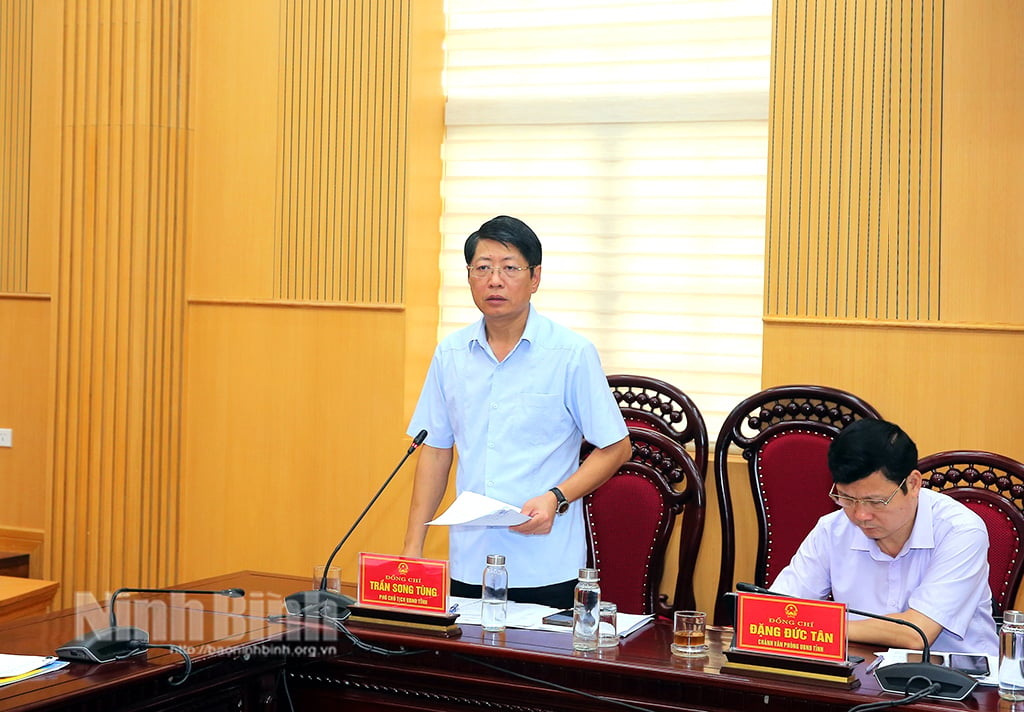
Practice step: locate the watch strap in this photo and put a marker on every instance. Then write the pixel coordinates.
(561, 503)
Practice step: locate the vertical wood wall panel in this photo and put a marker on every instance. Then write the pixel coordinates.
(120, 294)
(300, 156)
(983, 170)
(853, 231)
(342, 144)
(15, 138)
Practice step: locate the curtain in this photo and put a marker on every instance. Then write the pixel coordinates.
(633, 138)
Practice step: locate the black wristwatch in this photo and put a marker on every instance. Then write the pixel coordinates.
(561, 503)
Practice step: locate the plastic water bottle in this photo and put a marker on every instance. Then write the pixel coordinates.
(1011, 656)
(586, 612)
(495, 593)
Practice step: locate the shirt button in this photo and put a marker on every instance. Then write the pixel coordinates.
(490, 445)
(494, 406)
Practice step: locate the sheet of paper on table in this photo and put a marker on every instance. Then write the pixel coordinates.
(14, 668)
(530, 615)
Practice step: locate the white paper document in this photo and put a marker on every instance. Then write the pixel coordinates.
(629, 623)
(518, 615)
(530, 615)
(473, 509)
(14, 665)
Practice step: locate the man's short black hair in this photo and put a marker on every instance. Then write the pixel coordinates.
(508, 231)
(867, 446)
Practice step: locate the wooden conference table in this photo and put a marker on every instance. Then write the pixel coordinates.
(20, 597)
(243, 661)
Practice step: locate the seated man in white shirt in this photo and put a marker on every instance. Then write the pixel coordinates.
(896, 549)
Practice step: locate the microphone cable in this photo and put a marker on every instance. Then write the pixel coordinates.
(138, 645)
(339, 625)
(184, 656)
(932, 687)
(368, 647)
(283, 681)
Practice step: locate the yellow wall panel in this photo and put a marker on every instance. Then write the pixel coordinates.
(15, 135)
(44, 176)
(950, 388)
(983, 163)
(854, 160)
(236, 118)
(322, 109)
(908, 300)
(422, 191)
(295, 420)
(317, 180)
(24, 408)
(119, 295)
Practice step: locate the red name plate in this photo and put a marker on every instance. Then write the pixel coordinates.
(814, 630)
(399, 582)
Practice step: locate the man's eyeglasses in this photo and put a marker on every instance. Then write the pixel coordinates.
(506, 271)
(850, 502)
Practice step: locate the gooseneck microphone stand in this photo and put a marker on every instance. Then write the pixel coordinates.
(331, 604)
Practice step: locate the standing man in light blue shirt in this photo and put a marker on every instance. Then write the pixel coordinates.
(515, 394)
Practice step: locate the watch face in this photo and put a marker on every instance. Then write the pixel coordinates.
(562, 507)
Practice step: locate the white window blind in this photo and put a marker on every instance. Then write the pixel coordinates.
(633, 138)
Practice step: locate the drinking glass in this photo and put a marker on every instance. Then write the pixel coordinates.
(688, 633)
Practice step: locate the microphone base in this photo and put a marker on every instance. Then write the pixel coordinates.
(908, 678)
(325, 604)
(105, 645)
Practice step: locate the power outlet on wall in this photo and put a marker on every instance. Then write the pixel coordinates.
(6, 437)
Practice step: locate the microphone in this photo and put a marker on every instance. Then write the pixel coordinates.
(329, 604)
(905, 678)
(118, 642)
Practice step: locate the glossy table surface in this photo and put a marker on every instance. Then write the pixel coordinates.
(212, 628)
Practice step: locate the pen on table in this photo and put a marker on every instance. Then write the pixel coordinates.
(452, 608)
(873, 664)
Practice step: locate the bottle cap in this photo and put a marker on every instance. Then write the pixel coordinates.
(1015, 617)
(589, 575)
(495, 559)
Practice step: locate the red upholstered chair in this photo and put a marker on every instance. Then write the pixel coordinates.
(651, 403)
(993, 486)
(630, 519)
(783, 433)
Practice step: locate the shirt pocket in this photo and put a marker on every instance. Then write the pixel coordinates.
(542, 418)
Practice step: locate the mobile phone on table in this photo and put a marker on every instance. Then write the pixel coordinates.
(560, 618)
(976, 665)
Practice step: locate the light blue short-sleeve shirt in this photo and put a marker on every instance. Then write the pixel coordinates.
(517, 427)
(942, 572)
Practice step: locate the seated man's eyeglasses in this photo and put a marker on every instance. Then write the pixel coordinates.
(507, 271)
(849, 502)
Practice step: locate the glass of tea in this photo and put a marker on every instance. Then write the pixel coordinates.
(688, 634)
